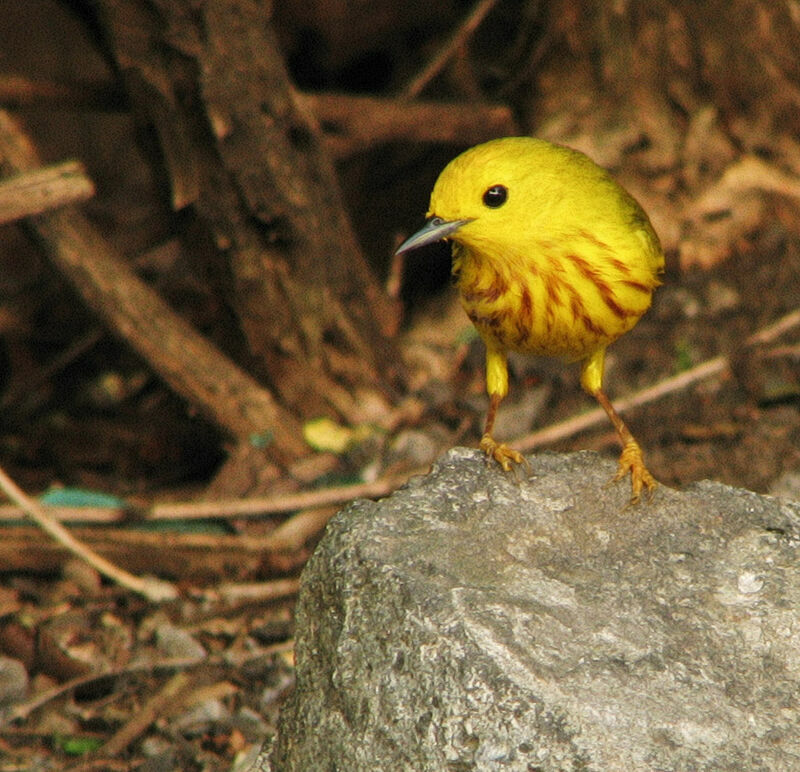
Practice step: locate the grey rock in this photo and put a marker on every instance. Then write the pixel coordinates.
(174, 642)
(787, 486)
(254, 758)
(13, 681)
(201, 718)
(471, 622)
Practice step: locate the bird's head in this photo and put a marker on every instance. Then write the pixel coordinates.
(489, 195)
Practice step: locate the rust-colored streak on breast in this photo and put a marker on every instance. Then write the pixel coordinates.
(474, 293)
(608, 298)
(579, 312)
(551, 288)
(637, 285)
(592, 239)
(603, 287)
(524, 318)
(492, 322)
(619, 266)
(496, 289)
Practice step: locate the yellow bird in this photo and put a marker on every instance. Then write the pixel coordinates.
(551, 257)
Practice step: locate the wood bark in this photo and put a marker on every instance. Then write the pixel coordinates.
(240, 146)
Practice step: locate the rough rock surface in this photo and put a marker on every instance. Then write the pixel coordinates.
(471, 622)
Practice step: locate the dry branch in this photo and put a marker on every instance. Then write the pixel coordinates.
(159, 703)
(356, 123)
(181, 556)
(17, 91)
(184, 359)
(349, 122)
(238, 145)
(21, 711)
(233, 594)
(44, 189)
(190, 557)
(251, 507)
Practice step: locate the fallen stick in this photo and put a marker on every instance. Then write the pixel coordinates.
(146, 714)
(256, 507)
(236, 659)
(194, 368)
(41, 190)
(352, 123)
(18, 91)
(153, 589)
(186, 557)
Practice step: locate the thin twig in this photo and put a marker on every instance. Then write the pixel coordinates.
(222, 508)
(707, 369)
(289, 502)
(353, 122)
(457, 41)
(178, 693)
(155, 706)
(783, 352)
(238, 659)
(576, 424)
(292, 535)
(234, 594)
(776, 329)
(155, 590)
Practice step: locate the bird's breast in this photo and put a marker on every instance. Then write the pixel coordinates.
(558, 304)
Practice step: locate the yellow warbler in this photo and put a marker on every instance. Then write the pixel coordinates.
(551, 257)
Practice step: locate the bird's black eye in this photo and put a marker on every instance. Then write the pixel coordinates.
(495, 196)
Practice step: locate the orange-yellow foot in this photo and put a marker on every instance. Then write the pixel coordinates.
(501, 453)
(631, 461)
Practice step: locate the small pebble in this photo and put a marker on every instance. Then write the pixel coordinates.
(13, 680)
(176, 643)
(750, 583)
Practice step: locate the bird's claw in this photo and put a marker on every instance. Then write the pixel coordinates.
(632, 461)
(501, 453)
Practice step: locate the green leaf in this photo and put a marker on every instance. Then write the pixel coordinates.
(78, 746)
(80, 497)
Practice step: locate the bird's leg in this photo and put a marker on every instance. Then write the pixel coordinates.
(497, 387)
(499, 451)
(631, 459)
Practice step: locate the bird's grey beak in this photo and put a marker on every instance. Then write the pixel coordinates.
(435, 229)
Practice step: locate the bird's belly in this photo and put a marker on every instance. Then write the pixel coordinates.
(510, 326)
(549, 317)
